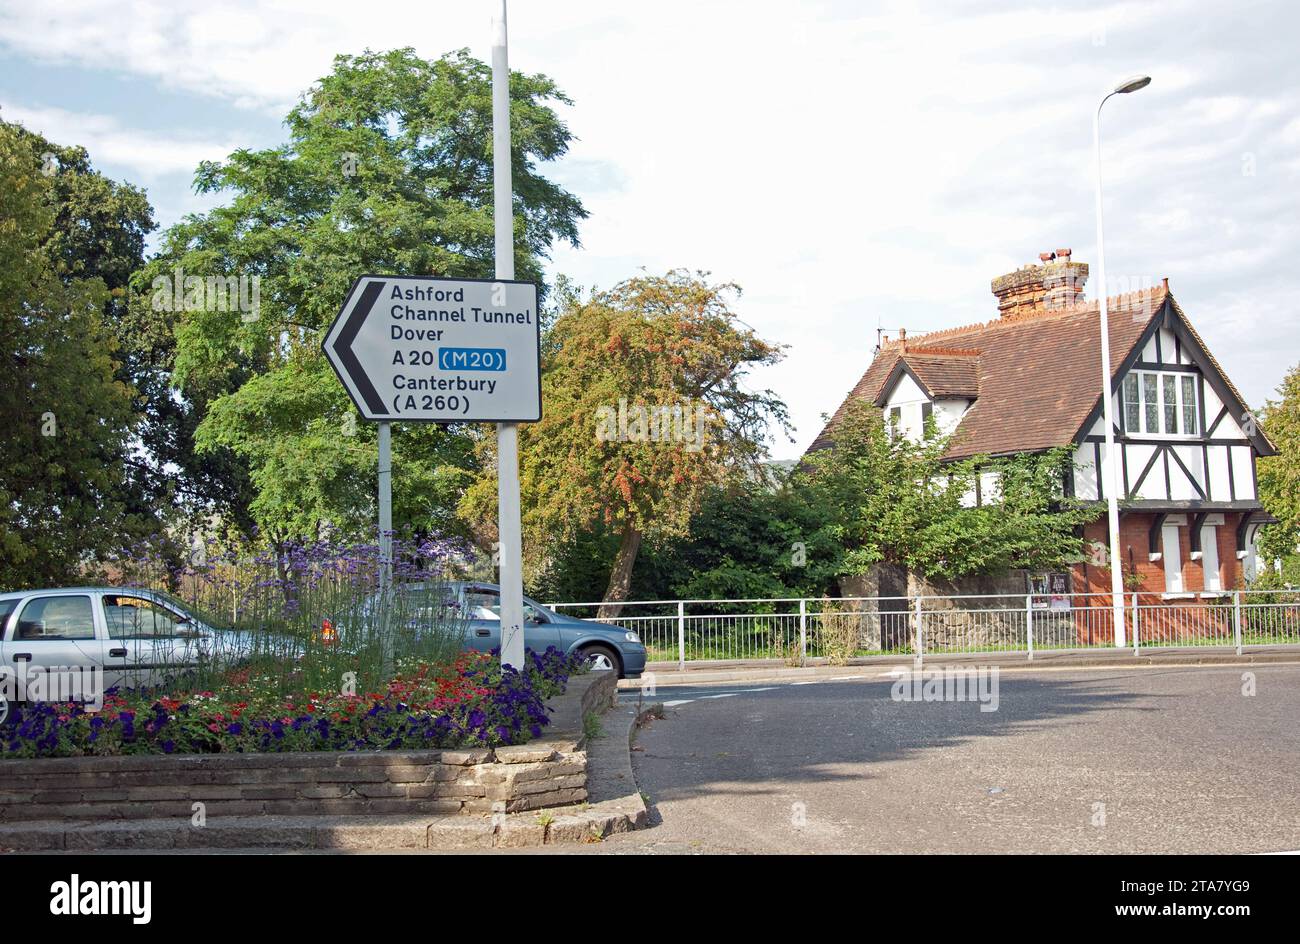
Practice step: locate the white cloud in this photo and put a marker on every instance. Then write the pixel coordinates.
(149, 154)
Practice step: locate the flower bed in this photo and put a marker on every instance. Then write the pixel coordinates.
(470, 702)
(79, 802)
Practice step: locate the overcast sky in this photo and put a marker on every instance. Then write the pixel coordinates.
(847, 168)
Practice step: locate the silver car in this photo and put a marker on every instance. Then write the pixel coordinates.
(128, 638)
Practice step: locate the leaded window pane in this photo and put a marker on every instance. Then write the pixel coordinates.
(1132, 408)
(1151, 402)
(1170, 404)
(1189, 406)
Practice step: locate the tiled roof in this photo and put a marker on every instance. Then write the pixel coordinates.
(1036, 377)
(946, 373)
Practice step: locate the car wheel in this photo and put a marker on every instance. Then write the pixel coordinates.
(7, 712)
(601, 657)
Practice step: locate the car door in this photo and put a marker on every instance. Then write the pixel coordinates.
(148, 641)
(430, 611)
(55, 644)
(483, 605)
(482, 611)
(7, 675)
(540, 631)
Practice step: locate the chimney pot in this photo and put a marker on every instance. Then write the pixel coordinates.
(1055, 285)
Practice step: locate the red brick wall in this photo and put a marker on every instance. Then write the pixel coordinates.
(1179, 621)
(1134, 529)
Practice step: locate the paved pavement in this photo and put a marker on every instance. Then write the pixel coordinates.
(1145, 759)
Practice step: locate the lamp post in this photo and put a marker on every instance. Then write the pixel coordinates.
(509, 533)
(1111, 474)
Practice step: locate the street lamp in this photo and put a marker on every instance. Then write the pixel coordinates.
(1112, 465)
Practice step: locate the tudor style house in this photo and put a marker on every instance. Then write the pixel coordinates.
(1028, 381)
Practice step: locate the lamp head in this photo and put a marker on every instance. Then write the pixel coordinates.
(1133, 84)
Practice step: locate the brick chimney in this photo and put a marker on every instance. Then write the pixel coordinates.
(1056, 283)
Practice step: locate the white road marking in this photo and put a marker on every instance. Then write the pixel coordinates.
(686, 701)
(633, 693)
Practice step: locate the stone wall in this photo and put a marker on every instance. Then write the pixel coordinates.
(549, 771)
(949, 624)
(885, 624)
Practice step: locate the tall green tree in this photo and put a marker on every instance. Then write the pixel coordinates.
(388, 168)
(1279, 475)
(64, 491)
(98, 230)
(645, 409)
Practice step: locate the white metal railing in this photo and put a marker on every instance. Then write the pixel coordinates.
(794, 629)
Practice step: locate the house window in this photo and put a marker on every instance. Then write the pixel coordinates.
(1132, 403)
(1173, 559)
(1250, 566)
(1160, 403)
(895, 421)
(1210, 558)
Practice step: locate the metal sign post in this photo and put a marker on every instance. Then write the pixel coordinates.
(509, 530)
(388, 653)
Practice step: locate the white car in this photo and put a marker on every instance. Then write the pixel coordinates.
(132, 637)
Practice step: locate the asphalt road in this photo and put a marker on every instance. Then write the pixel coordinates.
(1172, 760)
